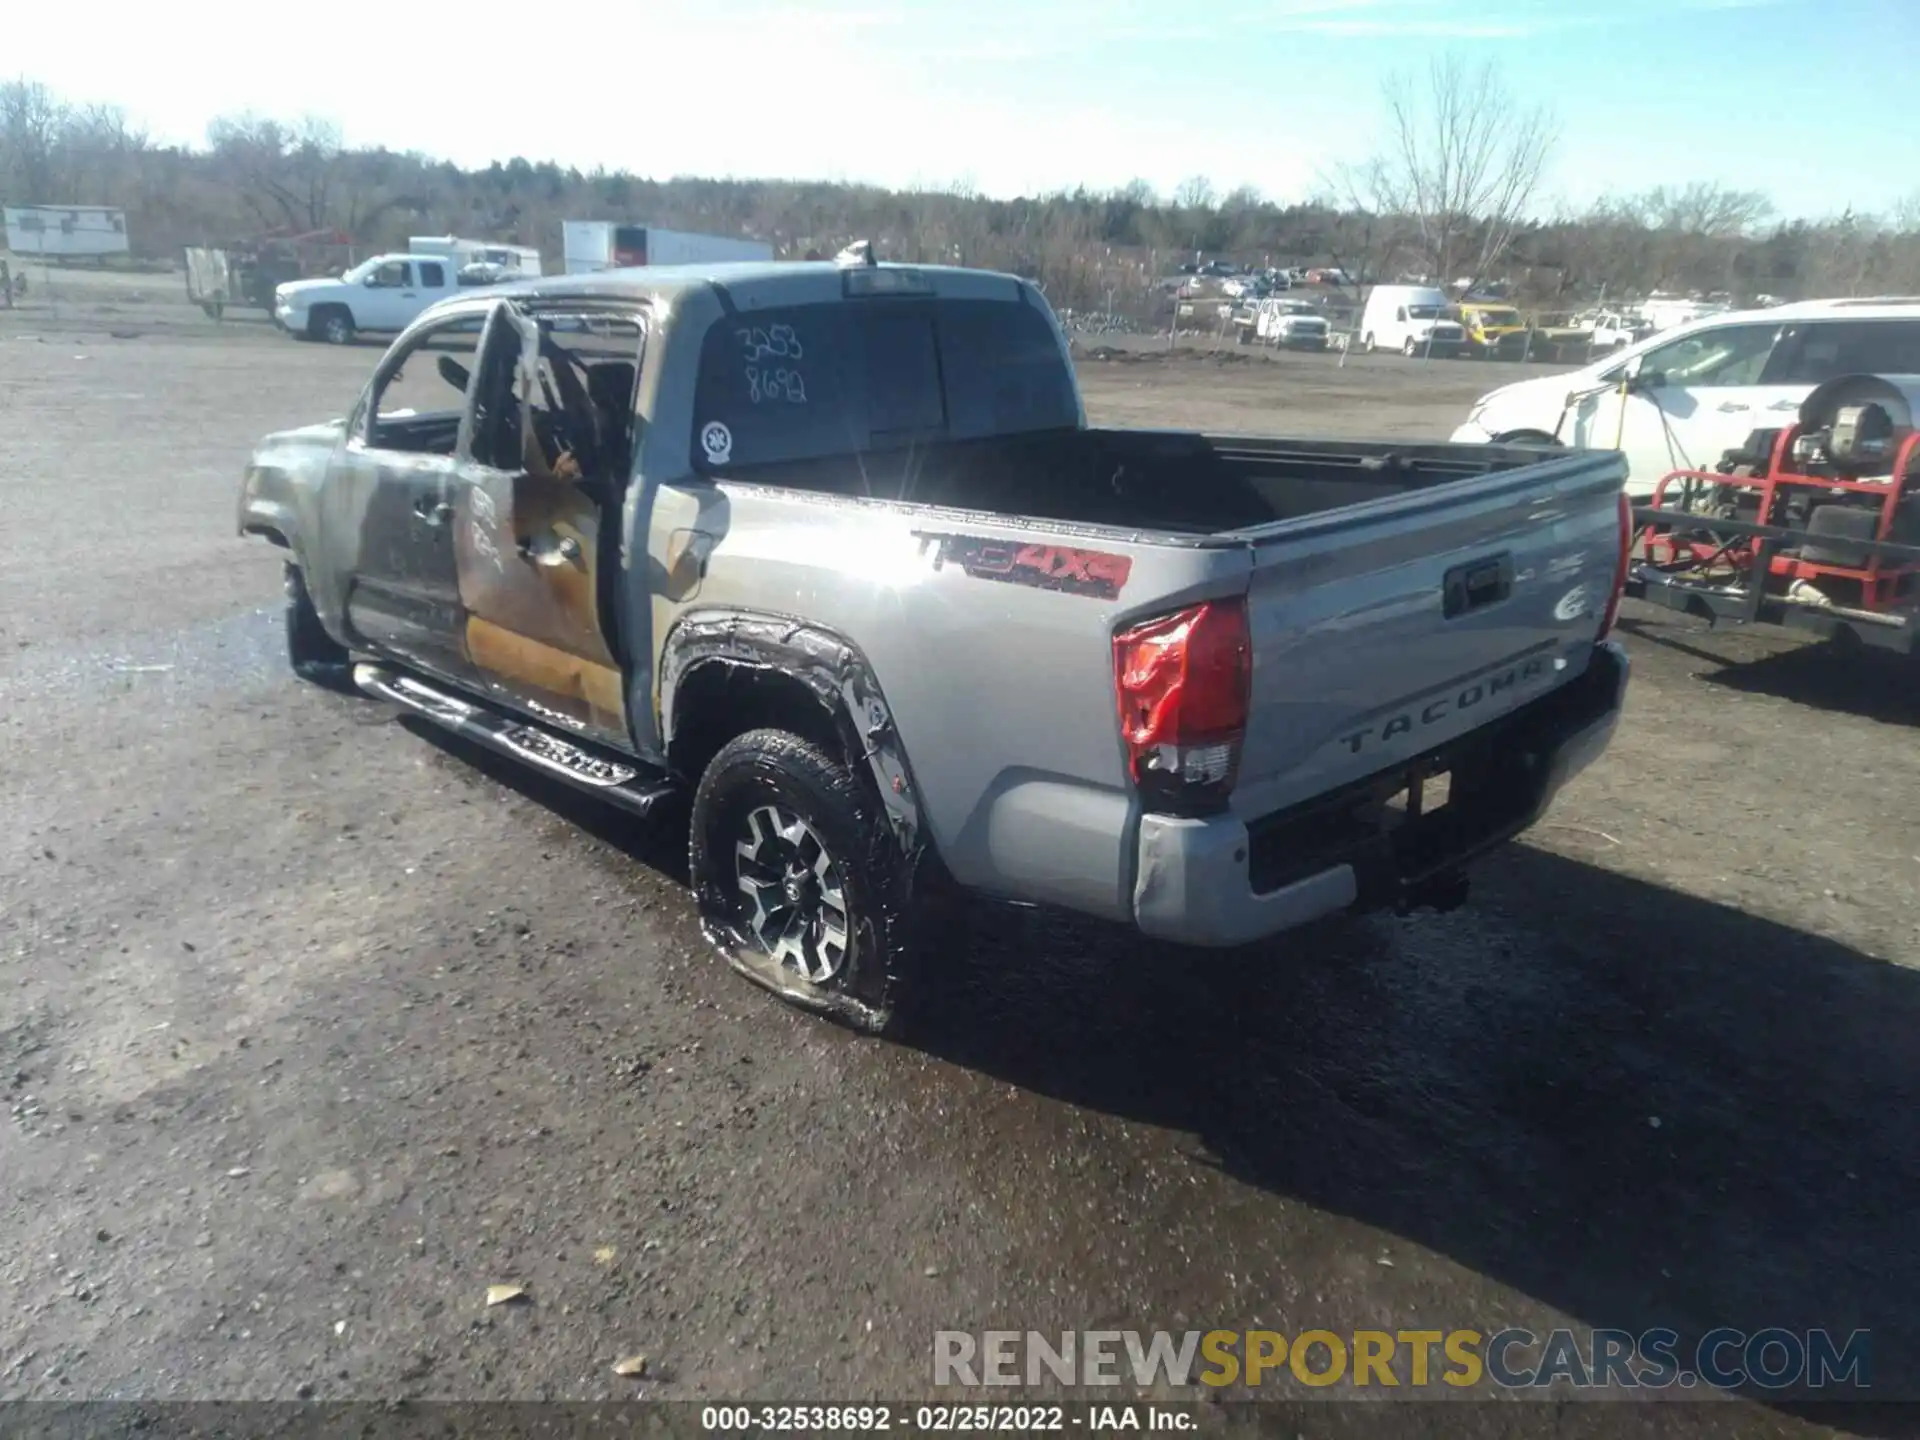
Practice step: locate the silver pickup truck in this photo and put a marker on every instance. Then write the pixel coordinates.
(831, 549)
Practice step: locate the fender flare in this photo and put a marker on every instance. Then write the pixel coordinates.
(829, 665)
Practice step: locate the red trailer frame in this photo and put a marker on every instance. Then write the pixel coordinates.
(1740, 570)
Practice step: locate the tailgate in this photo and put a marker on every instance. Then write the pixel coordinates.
(1384, 629)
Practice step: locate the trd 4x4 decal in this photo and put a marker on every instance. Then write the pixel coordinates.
(1095, 573)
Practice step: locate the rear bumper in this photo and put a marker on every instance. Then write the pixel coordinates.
(1223, 881)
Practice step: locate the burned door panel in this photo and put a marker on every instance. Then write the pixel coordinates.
(403, 598)
(532, 540)
(403, 595)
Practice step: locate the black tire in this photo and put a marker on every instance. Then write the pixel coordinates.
(1368, 345)
(756, 782)
(333, 324)
(314, 654)
(1409, 347)
(1531, 438)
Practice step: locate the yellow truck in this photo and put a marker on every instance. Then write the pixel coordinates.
(1493, 330)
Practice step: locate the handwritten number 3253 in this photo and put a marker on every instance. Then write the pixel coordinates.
(781, 384)
(775, 342)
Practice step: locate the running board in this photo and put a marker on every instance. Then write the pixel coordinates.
(623, 782)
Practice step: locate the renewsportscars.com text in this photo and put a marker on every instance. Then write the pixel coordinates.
(1723, 1359)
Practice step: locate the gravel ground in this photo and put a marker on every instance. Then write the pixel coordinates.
(314, 1025)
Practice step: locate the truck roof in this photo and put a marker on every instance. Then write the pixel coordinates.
(790, 282)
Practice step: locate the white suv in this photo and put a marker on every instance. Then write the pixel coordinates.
(1704, 386)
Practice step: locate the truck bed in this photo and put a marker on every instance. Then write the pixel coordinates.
(1176, 482)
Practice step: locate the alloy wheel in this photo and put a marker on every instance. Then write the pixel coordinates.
(795, 893)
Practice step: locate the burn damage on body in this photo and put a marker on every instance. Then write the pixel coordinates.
(532, 602)
(834, 673)
(723, 674)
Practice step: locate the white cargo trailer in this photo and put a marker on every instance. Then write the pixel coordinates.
(592, 245)
(65, 231)
(511, 261)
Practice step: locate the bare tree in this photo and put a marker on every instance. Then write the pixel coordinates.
(1194, 198)
(1691, 225)
(1367, 232)
(32, 122)
(1905, 218)
(1462, 162)
(1194, 193)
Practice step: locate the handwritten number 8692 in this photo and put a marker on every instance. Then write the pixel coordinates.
(782, 384)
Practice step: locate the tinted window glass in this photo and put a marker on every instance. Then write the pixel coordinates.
(904, 397)
(431, 274)
(837, 379)
(1003, 370)
(1831, 348)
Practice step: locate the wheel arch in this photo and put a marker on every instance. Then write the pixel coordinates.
(727, 672)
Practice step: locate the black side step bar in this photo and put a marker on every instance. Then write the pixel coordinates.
(624, 782)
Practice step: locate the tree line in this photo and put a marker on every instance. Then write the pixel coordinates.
(1452, 191)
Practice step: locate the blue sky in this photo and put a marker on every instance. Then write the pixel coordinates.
(1020, 96)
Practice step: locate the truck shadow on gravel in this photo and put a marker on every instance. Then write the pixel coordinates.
(659, 843)
(1850, 680)
(1868, 683)
(1642, 1108)
(1673, 1114)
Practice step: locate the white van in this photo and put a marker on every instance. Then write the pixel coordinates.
(1699, 389)
(1412, 319)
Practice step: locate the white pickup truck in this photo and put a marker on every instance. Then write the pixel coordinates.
(385, 294)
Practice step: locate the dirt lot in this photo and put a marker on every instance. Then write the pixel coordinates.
(312, 1027)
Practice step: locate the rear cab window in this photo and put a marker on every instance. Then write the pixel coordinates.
(840, 378)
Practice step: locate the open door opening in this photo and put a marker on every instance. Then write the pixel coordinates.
(549, 457)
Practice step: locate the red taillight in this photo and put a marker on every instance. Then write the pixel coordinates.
(1612, 611)
(1182, 682)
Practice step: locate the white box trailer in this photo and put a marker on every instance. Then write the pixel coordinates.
(508, 260)
(592, 245)
(66, 231)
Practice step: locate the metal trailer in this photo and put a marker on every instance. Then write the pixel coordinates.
(65, 232)
(1840, 574)
(245, 272)
(594, 245)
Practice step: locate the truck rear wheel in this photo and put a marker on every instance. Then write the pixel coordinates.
(799, 880)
